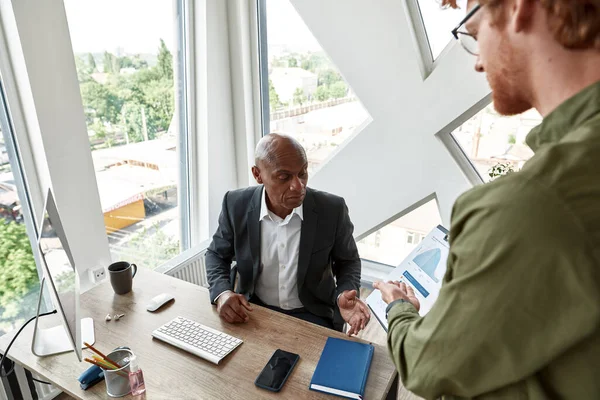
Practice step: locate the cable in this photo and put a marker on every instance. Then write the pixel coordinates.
(37, 380)
(12, 368)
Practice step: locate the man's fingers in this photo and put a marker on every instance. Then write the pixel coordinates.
(245, 303)
(239, 310)
(228, 315)
(410, 291)
(233, 316)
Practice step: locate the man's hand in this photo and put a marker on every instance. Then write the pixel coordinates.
(395, 290)
(233, 307)
(354, 311)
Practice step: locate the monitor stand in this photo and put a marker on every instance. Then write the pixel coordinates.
(56, 340)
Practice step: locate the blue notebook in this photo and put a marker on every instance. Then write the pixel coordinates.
(343, 368)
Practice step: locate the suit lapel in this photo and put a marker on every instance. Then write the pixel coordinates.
(307, 236)
(254, 231)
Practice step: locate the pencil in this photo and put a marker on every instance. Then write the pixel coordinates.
(103, 362)
(123, 374)
(92, 348)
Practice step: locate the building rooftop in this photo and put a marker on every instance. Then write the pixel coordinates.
(125, 173)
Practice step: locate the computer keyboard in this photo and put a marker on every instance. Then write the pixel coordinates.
(197, 339)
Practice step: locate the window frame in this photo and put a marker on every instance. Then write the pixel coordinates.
(454, 148)
(263, 66)
(427, 63)
(184, 103)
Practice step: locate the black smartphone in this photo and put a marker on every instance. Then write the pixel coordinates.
(277, 370)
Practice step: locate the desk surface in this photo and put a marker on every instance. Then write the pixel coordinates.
(170, 372)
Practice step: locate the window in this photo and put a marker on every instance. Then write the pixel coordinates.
(438, 23)
(308, 97)
(496, 144)
(125, 67)
(19, 280)
(399, 237)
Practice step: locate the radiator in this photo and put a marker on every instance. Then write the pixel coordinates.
(188, 266)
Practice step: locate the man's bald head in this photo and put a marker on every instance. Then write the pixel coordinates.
(273, 146)
(281, 166)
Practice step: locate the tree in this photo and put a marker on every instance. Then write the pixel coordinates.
(138, 62)
(152, 247)
(116, 64)
(108, 62)
(125, 62)
(274, 101)
(322, 93)
(299, 96)
(18, 272)
(305, 64)
(100, 102)
(328, 77)
(165, 61)
(292, 62)
(83, 71)
(92, 63)
(338, 90)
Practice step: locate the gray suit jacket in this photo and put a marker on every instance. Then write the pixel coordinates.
(328, 262)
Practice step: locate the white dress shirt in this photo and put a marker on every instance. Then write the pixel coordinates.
(277, 284)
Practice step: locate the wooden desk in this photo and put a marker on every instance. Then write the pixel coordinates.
(171, 373)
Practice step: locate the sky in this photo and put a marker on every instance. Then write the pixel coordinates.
(134, 25)
(137, 25)
(286, 28)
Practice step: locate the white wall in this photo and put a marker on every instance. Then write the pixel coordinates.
(396, 160)
(214, 113)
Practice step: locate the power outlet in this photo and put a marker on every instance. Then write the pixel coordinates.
(98, 275)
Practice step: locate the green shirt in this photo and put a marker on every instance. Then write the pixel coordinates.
(518, 315)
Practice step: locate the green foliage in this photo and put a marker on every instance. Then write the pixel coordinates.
(512, 139)
(322, 93)
(299, 97)
(18, 272)
(101, 102)
(329, 77)
(125, 62)
(138, 62)
(338, 90)
(165, 61)
(274, 102)
(83, 69)
(108, 62)
(91, 62)
(315, 62)
(292, 62)
(500, 169)
(115, 108)
(152, 247)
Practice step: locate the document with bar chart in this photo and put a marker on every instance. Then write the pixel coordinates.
(423, 270)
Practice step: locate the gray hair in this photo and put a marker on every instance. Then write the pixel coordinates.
(265, 149)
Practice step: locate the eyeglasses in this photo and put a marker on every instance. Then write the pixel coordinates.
(467, 41)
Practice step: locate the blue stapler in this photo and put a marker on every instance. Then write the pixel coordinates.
(90, 377)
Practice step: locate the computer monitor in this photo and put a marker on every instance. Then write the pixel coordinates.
(62, 279)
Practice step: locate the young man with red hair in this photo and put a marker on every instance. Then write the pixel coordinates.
(518, 315)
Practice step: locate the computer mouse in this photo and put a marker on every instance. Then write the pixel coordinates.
(159, 301)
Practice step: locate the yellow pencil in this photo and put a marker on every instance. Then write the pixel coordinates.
(103, 362)
(122, 373)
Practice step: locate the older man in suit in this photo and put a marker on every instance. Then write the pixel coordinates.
(293, 246)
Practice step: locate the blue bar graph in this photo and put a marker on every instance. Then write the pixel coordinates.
(416, 284)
